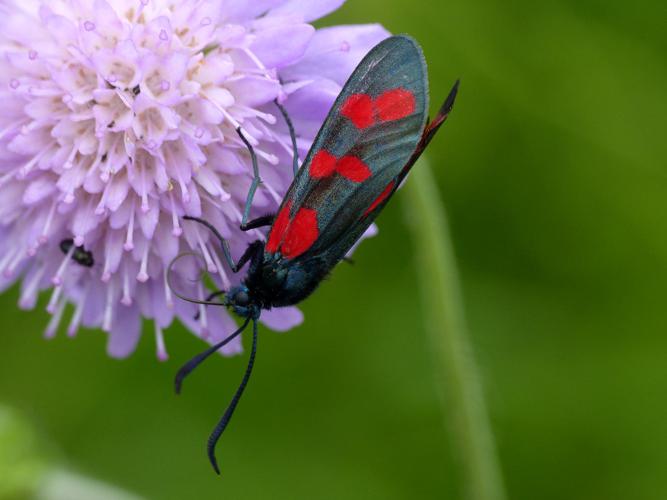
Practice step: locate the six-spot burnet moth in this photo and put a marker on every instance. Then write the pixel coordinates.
(374, 133)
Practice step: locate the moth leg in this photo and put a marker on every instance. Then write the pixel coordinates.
(265, 220)
(292, 134)
(256, 181)
(250, 253)
(247, 255)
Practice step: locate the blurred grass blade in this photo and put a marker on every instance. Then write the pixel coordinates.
(66, 485)
(457, 376)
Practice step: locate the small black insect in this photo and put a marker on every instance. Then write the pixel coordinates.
(80, 255)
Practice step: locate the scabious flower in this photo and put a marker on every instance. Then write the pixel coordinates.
(119, 118)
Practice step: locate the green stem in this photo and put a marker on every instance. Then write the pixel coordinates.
(455, 369)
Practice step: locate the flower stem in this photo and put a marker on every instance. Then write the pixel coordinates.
(455, 369)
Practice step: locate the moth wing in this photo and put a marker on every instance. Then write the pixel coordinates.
(370, 134)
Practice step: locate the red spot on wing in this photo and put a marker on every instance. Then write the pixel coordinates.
(278, 229)
(395, 104)
(302, 232)
(383, 196)
(359, 109)
(323, 164)
(353, 168)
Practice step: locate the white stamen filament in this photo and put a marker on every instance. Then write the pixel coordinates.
(144, 192)
(127, 297)
(226, 284)
(168, 297)
(274, 194)
(7, 177)
(101, 209)
(58, 277)
(256, 60)
(108, 308)
(12, 127)
(142, 277)
(29, 293)
(177, 230)
(69, 162)
(56, 317)
(78, 313)
(47, 225)
(271, 158)
(55, 296)
(203, 317)
(18, 258)
(25, 169)
(45, 92)
(207, 258)
(4, 263)
(129, 242)
(106, 274)
(160, 347)
(267, 117)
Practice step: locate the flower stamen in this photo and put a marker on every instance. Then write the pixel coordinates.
(54, 323)
(58, 277)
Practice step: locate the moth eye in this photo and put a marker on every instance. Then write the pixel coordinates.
(242, 298)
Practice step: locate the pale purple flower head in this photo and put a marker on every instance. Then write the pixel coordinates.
(119, 118)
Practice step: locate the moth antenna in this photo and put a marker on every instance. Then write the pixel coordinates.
(172, 287)
(224, 421)
(209, 297)
(187, 368)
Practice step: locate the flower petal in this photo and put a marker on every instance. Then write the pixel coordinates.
(254, 90)
(124, 335)
(334, 52)
(280, 46)
(119, 121)
(38, 189)
(220, 325)
(282, 319)
(245, 10)
(310, 105)
(309, 9)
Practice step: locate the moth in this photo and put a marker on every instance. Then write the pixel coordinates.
(373, 135)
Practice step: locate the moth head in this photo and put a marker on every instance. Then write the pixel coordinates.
(240, 301)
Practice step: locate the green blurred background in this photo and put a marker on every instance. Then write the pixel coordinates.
(553, 171)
